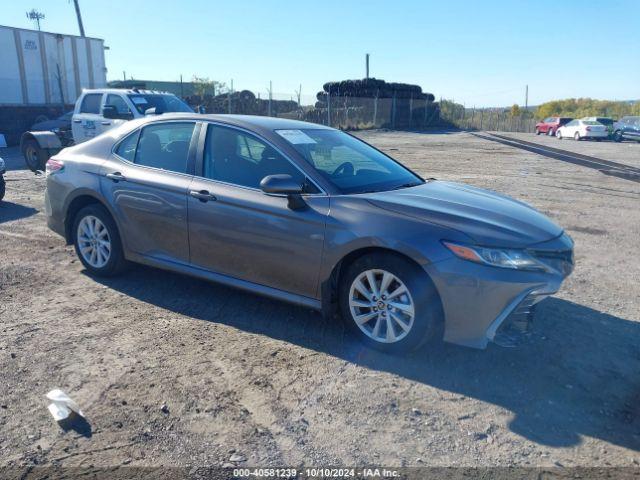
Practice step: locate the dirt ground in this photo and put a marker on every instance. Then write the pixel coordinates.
(170, 370)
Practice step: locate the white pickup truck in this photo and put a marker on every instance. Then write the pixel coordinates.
(97, 111)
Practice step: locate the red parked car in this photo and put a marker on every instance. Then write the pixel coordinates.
(551, 124)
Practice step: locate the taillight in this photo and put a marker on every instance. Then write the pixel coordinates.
(588, 129)
(53, 165)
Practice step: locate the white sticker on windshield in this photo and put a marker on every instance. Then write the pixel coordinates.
(295, 136)
(139, 100)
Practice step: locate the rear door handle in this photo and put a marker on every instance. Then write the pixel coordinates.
(203, 195)
(106, 123)
(116, 177)
(77, 121)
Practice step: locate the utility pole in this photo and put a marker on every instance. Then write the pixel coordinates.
(367, 63)
(36, 16)
(80, 26)
(526, 98)
(270, 95)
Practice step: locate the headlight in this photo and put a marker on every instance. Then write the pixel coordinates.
(496, 257)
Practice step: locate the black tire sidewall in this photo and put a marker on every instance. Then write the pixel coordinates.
(428, 321)
(3, 187)
(40, 154)
(116, 261)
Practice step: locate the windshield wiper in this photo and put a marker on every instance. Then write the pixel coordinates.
(406, 185)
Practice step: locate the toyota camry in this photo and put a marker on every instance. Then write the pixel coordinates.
(309, 215)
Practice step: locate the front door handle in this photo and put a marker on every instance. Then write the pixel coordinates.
(106, 123)
(116, 177)
(77, 121)
(202, 195)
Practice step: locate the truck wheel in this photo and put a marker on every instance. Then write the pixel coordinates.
(617, 136)
(2, 187)
(34, 156)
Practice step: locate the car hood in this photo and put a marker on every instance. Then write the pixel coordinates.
(489, 218)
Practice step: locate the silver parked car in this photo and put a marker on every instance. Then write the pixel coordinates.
(309, 215)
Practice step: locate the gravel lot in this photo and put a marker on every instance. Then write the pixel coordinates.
(175, 371)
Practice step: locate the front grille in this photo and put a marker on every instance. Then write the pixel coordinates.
(559, 260)
(516, 328)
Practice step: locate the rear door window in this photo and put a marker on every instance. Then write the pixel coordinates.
(165, 146)
(91, 103)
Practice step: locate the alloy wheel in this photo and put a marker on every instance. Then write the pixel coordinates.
(94, 241)
(381, 306)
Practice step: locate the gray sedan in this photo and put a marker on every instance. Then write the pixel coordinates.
(309, 215)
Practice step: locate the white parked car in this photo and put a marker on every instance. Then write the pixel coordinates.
(579, 129)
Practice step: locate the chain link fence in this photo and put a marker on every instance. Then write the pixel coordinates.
(361, 113)
(494, 119)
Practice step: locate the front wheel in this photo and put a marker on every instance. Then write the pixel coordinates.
(550, 132)
(558, 134)
(617, 136)
(390, 304)
(537, 131)
(3, 187)
(97, 241)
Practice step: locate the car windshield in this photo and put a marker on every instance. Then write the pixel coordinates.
(161, 102)
(348, 163)
(605, 121)
(590, 122)
(564, 121)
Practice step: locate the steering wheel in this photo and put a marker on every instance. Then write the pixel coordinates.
(345, 168)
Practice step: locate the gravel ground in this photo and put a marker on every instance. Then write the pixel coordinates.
(170, 370)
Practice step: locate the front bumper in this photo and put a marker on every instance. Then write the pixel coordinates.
(478, 299)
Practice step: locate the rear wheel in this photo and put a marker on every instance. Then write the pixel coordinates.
(550, 132)
(3, 187)
(537, 131)
(576, 136)
(97, 241)
(617, 136)
(390, 304)
(34, 156)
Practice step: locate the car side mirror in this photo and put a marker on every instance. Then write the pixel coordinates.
(284, 185)
(110, 111)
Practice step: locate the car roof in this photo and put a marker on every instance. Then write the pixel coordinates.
(243, 121)
(127, 91)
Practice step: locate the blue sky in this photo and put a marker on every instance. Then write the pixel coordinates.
(481, 53)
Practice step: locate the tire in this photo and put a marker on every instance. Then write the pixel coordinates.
(3, 187)
(617, 136)
(34, 156)
(424, 326)
(558, 134)
(115, 262)
(550, 132)
(576, 136)
(537, 131)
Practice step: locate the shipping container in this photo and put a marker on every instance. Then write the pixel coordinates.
(42, 68)
(42, 75)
